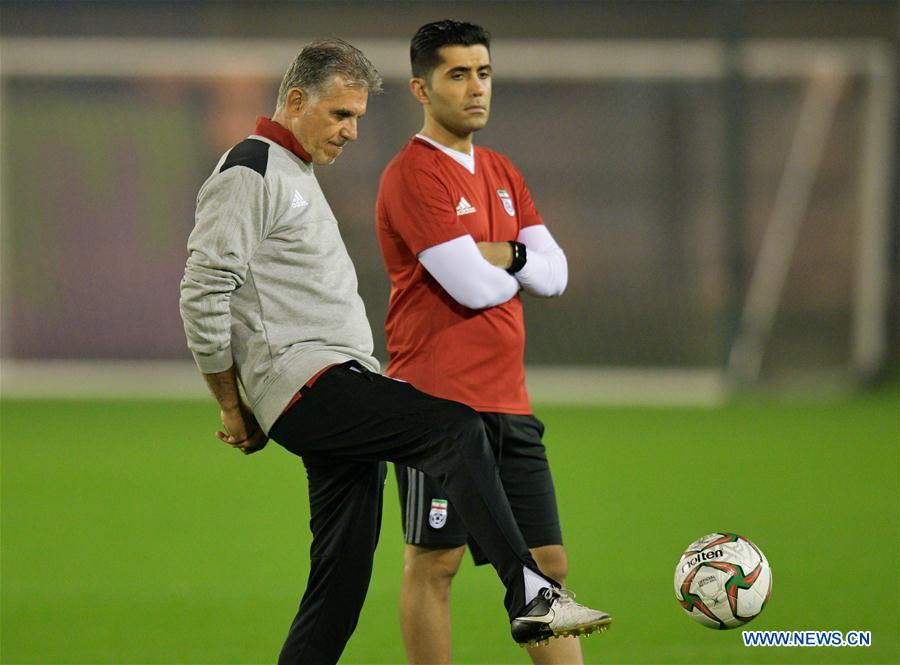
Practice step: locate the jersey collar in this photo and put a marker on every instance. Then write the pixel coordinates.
(273, 131)
(466, 160)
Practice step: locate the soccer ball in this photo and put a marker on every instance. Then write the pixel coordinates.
(723, 580)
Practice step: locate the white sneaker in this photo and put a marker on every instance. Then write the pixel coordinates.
(554, 613)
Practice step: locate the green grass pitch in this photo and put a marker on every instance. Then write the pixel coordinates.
(131, 535)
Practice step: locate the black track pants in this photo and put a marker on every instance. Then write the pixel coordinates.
(344, 427)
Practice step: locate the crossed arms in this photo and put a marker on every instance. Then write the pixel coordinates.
(474, 274)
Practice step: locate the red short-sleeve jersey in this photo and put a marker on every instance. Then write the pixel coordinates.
(443, 348)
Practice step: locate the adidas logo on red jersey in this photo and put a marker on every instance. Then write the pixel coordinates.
(464, 207)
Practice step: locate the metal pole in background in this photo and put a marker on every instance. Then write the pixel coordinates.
(732, 89)
(782, 233)
(878, 247)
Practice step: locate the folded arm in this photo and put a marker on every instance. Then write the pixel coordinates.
(464, 273)
(546, 272)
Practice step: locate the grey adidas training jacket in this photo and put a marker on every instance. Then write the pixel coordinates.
(269, 286)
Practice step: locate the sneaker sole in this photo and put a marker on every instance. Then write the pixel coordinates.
(586, 631)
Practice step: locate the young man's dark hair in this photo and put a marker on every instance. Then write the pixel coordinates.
(431, 37)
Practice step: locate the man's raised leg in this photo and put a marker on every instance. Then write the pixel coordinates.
(352, 414)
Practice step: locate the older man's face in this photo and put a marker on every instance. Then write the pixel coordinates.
(327, 121)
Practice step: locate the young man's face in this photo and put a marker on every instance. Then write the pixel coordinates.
(459, 89)
(326, 122)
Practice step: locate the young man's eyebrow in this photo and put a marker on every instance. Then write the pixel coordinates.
(461, 69)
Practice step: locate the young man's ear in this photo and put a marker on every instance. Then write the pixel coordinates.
(418, 88)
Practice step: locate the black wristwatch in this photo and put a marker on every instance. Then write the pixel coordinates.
(520, 256)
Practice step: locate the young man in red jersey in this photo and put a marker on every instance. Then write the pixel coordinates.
(461, 237)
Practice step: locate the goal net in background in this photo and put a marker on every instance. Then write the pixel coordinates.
(625, 146)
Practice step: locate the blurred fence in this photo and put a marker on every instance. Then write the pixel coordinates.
(623, 144)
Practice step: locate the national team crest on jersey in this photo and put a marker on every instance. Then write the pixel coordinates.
(506, 200)
(438, 515)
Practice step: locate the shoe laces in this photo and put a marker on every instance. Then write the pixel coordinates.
(566, 596)
(563, 596)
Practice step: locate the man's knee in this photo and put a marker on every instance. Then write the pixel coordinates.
(464, 418)
(430, 565)
(465, 425)
(552, 560)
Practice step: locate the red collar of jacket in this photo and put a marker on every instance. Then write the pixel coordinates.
(282, 136)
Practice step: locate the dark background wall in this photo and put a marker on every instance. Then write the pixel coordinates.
(635, 177)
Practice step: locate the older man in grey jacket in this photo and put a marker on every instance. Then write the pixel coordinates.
(269, 301)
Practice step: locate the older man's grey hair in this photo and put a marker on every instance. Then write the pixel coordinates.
(316, 65)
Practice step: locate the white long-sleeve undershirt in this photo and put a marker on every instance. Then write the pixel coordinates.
(458, 266)
(463, 272)
(546, 272)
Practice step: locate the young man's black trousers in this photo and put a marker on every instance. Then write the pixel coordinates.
(345, 427)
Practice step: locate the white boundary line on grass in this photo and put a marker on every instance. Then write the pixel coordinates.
(102, 379)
